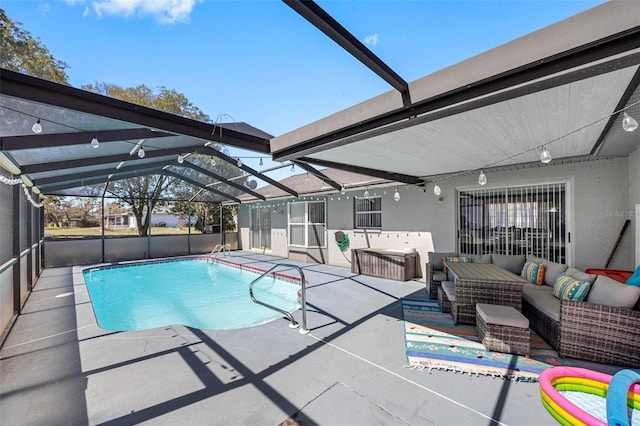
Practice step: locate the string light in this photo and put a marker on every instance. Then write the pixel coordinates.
(141, 153)
(293, 167)
(366, 193)
(261, 161)
(436, 190)
(396, 196)
(239, 162)
(629, 124)
(180, 159)
(18, 181)
(37, 127)
(482, 179)
(94, 142)
(545, 156)
(343, 190)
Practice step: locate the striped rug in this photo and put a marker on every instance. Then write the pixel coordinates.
(432, 341)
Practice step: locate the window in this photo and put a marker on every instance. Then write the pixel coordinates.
(368, 213)
(260, 228)
(515, 220)
(307, 224)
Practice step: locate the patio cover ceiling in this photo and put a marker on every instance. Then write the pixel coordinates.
(562, 87)
(61, 160)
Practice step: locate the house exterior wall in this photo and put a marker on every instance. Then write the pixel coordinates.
(600, 198)
(634, 200)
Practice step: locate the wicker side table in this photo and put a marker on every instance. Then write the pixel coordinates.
(502, 329)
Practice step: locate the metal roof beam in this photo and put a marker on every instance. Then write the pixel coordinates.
(201, 185)
(93, 181)
(101, 172)
(313, 13)
(309, 168)
(14, 143)
(37, 90)
(231, 160)
(222, 179)
(396, 177)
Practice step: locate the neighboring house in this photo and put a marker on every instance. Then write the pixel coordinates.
(127, 220)
(571, 213)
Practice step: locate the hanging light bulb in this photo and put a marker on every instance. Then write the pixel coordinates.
(482, 179)
(343, 190)
(261, 161)
(293, 167)
(239, 162)
(436, 190)
(37, 127)
(307, 177)
(366, 193)
(94, 142)
(180, 159)
(396, 196)
(629, 124)
(545, 156)
(141, 153)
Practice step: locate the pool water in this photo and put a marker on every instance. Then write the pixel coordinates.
(190, 292)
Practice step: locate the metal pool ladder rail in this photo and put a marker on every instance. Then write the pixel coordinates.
(216, 251)
(293, 322)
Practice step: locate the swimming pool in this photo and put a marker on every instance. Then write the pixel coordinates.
(191, 292)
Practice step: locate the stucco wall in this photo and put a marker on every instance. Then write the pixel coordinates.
(600, 196)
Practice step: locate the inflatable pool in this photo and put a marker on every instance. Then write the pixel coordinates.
(577, 396)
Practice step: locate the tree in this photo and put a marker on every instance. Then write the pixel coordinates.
(22, 53)
(138, 192)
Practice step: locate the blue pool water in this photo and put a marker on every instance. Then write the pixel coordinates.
(190, 292)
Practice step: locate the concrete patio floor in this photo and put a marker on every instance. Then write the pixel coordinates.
(57, 367)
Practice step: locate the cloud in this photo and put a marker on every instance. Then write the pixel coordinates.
(164, 11)
(371, 40)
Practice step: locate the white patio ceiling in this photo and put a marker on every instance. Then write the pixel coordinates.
(562, 87)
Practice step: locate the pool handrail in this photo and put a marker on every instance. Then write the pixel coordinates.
(293, 322)
(225, 248)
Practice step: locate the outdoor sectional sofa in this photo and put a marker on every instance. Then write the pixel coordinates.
(605, 327)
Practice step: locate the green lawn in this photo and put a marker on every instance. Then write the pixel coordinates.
(97, 231)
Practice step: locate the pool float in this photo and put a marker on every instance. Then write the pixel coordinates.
(618, 396)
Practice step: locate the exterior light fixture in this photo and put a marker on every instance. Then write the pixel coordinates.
(141, 153)
(396, 196)
(545, 156)
(37, 127)
(94, 142)
(629, 124)
(482, 179)
(436, 190)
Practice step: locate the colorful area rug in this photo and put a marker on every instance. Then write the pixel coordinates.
(432, 341)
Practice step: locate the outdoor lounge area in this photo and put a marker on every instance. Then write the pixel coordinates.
(441, 245)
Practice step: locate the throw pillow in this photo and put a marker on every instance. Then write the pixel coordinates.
(635, 278)
(461, 259)
(568, 288)
(533, 272)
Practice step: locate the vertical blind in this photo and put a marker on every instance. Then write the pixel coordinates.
(514, 220)
(260, 228)
(368, 212)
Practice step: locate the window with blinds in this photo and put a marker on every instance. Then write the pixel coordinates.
(307, 224)
(368, 213)
(514, 220)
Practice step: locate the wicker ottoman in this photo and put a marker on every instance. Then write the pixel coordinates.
(502, 329)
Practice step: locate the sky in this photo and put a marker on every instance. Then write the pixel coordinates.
(262, 63)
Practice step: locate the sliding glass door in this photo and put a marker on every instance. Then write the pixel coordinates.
(260, 228)
(515, 220)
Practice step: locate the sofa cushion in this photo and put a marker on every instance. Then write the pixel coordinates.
(512, 263)
(454, 259)
(581, 276)
(449, 289)
(551, 269)
(439, 276)
(635, 278)
(606, 291)
(481, 258)
(435, 258)
(542, 298)
(533, 272)
(569, 288)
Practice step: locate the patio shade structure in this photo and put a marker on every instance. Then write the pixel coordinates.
(563, 87)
